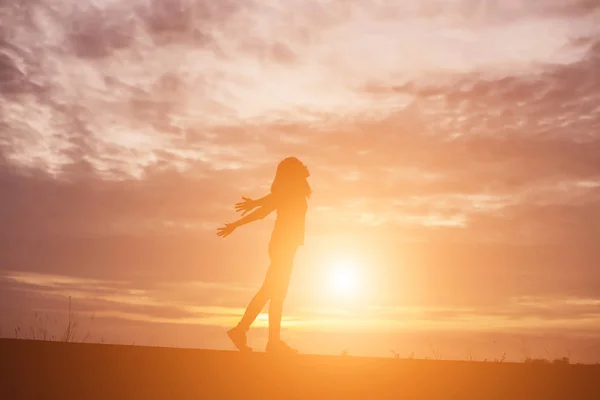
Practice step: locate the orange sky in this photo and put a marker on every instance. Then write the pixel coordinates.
(453, 148)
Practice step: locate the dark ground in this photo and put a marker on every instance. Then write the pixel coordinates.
(52, 370)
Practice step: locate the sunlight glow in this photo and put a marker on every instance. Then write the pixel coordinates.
(343, 279)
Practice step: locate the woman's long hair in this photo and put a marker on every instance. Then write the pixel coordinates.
(291, 178)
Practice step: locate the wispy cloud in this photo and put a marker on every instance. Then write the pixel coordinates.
(120, 86)
(176, 304)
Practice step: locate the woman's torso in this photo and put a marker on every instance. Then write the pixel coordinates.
(291, 220)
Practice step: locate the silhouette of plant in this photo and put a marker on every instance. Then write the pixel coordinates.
(434, 350)
(561, 361)
(547, 361)
(502, 358)
(69, 335)
(73, 324)
(470, 354)
(39, 330)
(546, 351)
(568, 354)
(87, 335)
(525, 350)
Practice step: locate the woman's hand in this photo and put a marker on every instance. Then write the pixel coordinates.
(226, 230)
(246, 205)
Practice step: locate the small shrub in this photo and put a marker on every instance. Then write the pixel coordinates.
(38, 330)
(561, 361)
(470, 354)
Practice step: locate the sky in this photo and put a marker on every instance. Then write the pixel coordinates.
(454, 150)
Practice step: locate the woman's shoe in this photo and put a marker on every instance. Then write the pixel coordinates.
(238, 337)
(279, 347)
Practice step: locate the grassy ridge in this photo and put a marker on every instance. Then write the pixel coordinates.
(57, 370)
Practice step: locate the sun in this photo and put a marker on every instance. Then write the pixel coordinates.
(343, 278)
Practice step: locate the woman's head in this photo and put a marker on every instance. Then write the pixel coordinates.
(291, 177)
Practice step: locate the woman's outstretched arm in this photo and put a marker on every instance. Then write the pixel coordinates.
(261, 213)
(249, 204)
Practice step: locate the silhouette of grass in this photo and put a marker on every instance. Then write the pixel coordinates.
(471, 358)
(435, 350)
(545, 361)
(39, 329)
(503, 357)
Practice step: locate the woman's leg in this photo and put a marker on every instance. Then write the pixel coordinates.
(255, 306)
(274, 288)
(282, 270)
(238, 334)
(276, 310)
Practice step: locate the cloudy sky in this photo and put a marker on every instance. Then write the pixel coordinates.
(454, 147)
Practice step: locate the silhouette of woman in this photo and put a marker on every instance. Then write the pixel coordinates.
(289, 193)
